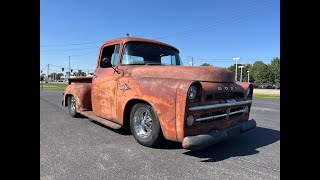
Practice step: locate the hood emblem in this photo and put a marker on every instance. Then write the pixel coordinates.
(124, 87)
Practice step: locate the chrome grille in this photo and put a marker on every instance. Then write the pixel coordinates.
(220, 114)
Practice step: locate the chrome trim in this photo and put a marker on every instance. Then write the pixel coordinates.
(221, 115)
(211, 117)
(211, 106)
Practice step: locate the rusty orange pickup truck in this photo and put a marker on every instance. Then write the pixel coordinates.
(141, 84)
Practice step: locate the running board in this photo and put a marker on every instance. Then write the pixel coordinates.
(91, 115)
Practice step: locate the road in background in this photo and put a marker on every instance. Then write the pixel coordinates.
(266, 91)
(76, 148)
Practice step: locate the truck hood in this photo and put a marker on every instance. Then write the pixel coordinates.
(195, 73)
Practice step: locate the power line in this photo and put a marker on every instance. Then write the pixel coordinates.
(256, 11)
(44, 68)
(85, 53)
(195, 28)
(65, 67)
(230, 59)
(195, 20)
(68, 49)
(75, 44)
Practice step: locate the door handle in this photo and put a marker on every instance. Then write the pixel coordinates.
(95, 76)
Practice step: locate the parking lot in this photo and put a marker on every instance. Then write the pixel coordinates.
(76, 148)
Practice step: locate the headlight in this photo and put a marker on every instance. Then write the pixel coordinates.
(190, 120)
(192, 92)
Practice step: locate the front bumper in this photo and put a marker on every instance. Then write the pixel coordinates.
(204, 140)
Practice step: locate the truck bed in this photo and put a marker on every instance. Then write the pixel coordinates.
(80, 80)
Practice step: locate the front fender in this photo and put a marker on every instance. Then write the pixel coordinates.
(162, 94)
(82, 94)
(246, 86)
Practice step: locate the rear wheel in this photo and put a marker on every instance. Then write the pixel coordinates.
(72, 105)
(145, 126)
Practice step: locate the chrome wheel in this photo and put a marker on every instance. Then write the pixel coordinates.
(73, 103)
(145, 125)
(72, 106)
(142, 122)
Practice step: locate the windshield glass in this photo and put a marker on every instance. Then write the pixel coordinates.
(148, 53)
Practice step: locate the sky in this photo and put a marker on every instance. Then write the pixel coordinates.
(210, 31)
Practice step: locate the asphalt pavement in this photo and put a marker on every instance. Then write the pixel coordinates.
(76, 148)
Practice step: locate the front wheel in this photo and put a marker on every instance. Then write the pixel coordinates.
(72, 106)
(145, 126)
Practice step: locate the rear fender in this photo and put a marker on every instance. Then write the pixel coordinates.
(82, 94)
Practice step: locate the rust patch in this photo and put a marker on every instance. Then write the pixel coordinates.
(82, 93)
(165, 88)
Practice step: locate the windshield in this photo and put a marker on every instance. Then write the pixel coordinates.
(148, 53)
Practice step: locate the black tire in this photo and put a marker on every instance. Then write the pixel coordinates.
(145, 126)
(72, 105)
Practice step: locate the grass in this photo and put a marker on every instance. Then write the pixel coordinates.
(53, 86)
(51, 89)
(266, 96)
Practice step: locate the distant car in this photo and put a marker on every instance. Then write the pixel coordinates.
(255, 85)
(265, 86)
(276, 86)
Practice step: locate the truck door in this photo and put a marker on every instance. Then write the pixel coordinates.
(104, 84)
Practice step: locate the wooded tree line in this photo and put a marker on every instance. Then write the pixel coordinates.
(259, 72)
(59, 75)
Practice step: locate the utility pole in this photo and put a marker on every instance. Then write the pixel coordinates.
(192, 61)
(41, 81)
(248, 75)
(47, 74)
(69, 68)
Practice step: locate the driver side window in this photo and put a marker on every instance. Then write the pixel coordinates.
(109, 53)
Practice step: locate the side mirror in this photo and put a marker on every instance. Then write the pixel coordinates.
(106, 62)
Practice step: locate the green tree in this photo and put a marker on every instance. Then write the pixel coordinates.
(275, 69)
(246, 68)
(206, 64)
(261, 73)
(80, 73)
(59, 75)
(55, 76)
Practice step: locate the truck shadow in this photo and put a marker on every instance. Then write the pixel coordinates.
(245, 144)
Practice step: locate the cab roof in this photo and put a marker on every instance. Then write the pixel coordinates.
(127, 39)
